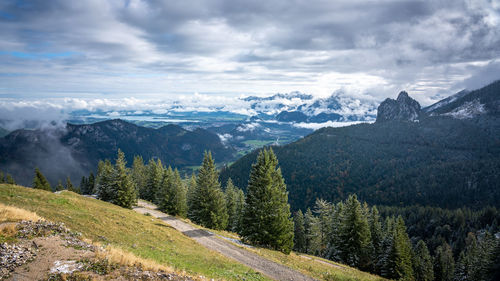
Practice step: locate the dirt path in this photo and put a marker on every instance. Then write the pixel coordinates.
(52, 250)
(209, 240)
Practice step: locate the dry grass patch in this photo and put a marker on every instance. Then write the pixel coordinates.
(119, 256)
(8, 229)
(13, 214)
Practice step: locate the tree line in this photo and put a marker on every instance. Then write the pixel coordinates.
(352, 233)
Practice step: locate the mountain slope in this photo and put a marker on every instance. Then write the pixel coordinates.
(76, 149)
(440, 161)
(153, 239)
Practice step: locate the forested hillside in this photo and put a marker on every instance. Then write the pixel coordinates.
(436, 160)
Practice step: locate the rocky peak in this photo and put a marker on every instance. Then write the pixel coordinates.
(404, 108)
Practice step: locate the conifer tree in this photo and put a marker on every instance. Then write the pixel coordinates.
(240, 208)
(334, 245)
(139, 174)
(325, 222)
(70, 186)
(154, 180)
(299, 238)
(377, 238)
(190, 196)
(402, 252)
(123, 187)
(106, 180)
(83, 185)
(40, 182)
(9, 179)
(91, 184)
(354, 235)
(422, 263)
(267, 218)
(231, 193)
(209, 203)
(174, 198)
(2, 178)
(312, 229)
(59, 186)
(444, 264)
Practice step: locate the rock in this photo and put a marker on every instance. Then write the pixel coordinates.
(404, 108)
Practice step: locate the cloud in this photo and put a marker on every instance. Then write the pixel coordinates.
(161, 48)
(333, 124)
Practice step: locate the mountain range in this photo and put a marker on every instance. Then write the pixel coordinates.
(446, 155)
(74, 150)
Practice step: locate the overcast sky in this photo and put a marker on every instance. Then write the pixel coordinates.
(149, 49)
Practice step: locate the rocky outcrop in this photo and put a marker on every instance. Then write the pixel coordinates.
(403, 108)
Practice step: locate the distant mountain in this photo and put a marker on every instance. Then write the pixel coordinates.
(403, 108)
(440, 161)
(76, 149)
(297, 107)
(465, 104)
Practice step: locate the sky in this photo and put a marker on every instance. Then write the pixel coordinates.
(86, 51)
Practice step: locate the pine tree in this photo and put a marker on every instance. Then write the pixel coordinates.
(354, 235)
(422, 263)
(240, 208)
(444, 264)
(299, 238)
(208, 203)
(9, 179)
(70, 186)
(123, 187)
(231, 193)
(106, 180)
(174, 198)
(324, 210)
(312, 230)
(2, 178)
(267, 218)
(139, 175)
(91, 184)
(403, 252)
(191, 196)
(84, 185)
(40, 182)
(334, 245)
(59, 186)
(154, 178)
(377, 238)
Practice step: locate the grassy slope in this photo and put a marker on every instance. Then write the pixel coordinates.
(153, 239)
(142, 235)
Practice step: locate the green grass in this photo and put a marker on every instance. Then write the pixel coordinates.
(258, 143)
(142, 235)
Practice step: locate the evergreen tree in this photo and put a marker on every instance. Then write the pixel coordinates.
(59, 186)
(191, 196)
(154, 179)
(422, 263)
(231, 193)
(123, 186)
(312, 230)
(209, 203)
(91, 184)
(84, 185)
(106, 180)
(334, 245)
(299, 237)
(324, 210)
(139, 175)
(70, 186)
(240, 208)
(267, 218)
(354, 235)
(2, 178)
(9, 179)
(40, 182)
(174, 198)
(444, 264)
(377, 238)
(402, 252)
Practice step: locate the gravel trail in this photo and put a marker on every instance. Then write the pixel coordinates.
(209, 240)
